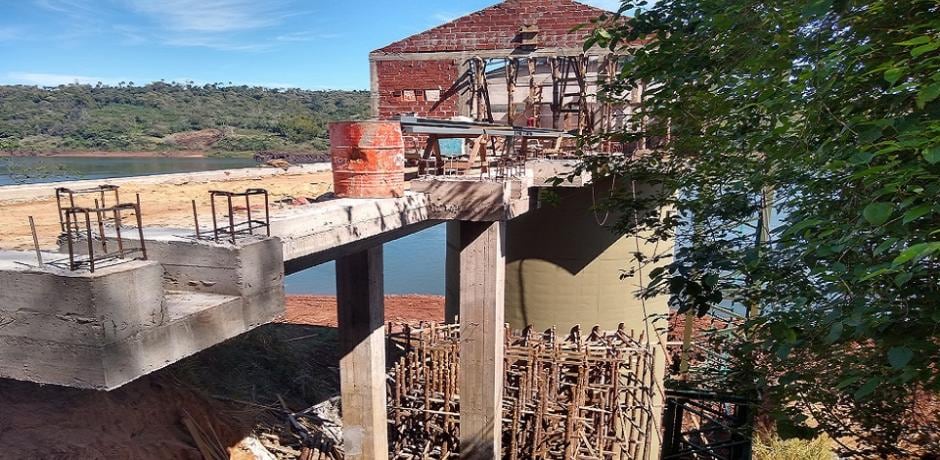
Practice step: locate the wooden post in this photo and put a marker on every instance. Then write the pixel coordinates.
(359, 295)
(512, 68)
(532, 64)
(482, 274)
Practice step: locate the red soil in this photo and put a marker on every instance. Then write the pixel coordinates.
(318, 310)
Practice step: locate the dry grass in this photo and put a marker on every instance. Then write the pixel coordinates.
(772, 447)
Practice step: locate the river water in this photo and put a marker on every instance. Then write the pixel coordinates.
(413, 264)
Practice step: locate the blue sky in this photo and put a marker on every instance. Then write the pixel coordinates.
(312, 44)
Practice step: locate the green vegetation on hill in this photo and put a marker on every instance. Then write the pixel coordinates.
(163, 117)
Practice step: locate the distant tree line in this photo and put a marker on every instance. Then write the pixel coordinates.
(129, 117)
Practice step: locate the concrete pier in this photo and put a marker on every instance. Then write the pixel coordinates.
(360, 301)
(481, 264)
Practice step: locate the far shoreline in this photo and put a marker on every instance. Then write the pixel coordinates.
(110, 154)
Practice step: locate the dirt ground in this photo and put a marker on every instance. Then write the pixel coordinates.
(165, 205)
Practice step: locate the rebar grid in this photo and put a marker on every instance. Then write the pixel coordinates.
(573, 397)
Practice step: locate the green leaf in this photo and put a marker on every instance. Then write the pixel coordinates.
(893, 75)
(902, 278)
(835, 332)
(878, 213)
(927, 94)
(848, 381)
(868, 388)
(916, 52)
(915, 41)
(860, 158)
(899, 357)
(916, 213)
(885, 245)
(932, 154)
(916, 252)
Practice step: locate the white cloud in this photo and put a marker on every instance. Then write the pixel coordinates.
(212, 16)
(64, 6)
(212, 42)
(305, 36)
(54, 79)
(447, 16)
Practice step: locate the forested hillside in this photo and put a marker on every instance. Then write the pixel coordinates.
(216, 119)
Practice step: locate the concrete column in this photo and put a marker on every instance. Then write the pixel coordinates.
(478, 249)
(359, 295)
(452, 272)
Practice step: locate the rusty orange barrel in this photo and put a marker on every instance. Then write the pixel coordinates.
(368, 159)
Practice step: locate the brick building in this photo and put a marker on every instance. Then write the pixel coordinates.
(517, 62)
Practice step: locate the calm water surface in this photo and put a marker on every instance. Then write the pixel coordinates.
(413, 264)
(25, 170)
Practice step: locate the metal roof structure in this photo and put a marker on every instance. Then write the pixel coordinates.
(459, 128)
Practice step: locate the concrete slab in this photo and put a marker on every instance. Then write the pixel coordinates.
(101, 330)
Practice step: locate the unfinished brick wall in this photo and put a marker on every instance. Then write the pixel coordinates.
(497, 27)
(416, 87)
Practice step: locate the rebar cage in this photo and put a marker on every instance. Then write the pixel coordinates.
(237, 227)
(574, 397)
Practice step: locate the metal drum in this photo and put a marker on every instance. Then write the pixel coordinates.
(368, 159)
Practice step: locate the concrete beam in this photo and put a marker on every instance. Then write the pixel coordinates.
(468, 198)
(318, 233)
(481, 271)
(361, 312)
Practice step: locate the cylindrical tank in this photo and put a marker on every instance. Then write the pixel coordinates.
(368, 159)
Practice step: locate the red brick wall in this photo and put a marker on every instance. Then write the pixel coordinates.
(407, 86)
(496, 27)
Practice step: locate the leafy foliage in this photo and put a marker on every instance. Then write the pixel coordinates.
(114, 118)
(827, 111)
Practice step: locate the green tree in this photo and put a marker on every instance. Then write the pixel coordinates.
(827, 112)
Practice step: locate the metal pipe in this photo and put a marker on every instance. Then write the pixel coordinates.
(248, 208)
(32, 228)
(215, 224)
(117, 231)
(98, 214)
(68, 237)
(140, 231)
(231, 219)
(58, 202)
(196, 219)
(72, 205)
(267, 213)
(91, 243)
